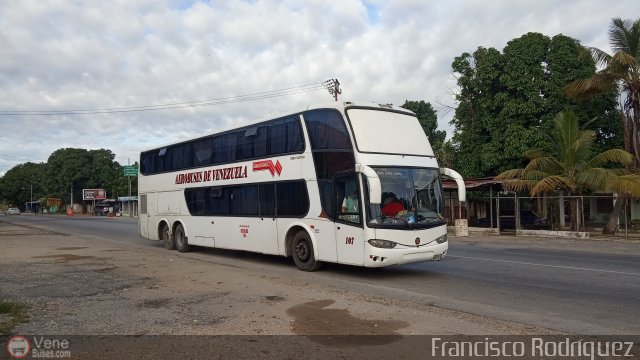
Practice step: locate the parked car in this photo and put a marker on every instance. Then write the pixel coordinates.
(528, 220)
(101, 211)
(13, 211)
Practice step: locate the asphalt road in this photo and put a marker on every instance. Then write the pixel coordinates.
(580, 287)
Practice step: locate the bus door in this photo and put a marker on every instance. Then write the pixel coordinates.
(349, 230)
(147, 209)
(266, 228)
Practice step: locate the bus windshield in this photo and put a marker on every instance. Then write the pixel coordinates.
(411, 198)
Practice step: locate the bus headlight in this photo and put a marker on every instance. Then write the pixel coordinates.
(385, 244)
(441, 239)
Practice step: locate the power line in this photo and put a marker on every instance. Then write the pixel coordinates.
(13, 156)
(208, 102)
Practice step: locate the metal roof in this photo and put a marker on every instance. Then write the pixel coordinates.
(473, 183)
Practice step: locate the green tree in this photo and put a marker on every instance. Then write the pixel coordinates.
(429, 121)
(107, 173)
(18, 182)
(66, 168)
(446, 155)
(570, 166)
(479, 86)
(69, 168)
(85, 169)
(507, 101)
(620, 71)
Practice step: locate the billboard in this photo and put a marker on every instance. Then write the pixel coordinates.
(94, 194)
(54, 202)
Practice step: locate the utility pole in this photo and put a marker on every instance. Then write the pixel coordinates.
(333, 86)
(30, 197)
(129, 176)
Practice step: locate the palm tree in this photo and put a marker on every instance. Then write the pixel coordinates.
(619, 72)
(570, 167)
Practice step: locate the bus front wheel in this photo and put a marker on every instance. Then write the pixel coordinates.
(166, 238)
(181, 239)
(302, 252)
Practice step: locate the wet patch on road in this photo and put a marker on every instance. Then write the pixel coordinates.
(155, 303)
(313, 318)
(65, 258)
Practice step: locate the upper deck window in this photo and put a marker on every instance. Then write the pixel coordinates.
(327, 130)
(271, 138)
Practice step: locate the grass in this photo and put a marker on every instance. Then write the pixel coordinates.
(17, 314)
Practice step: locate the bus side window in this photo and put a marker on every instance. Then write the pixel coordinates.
(267, 199)
(230, 147)
(292, 199)
(202, 152)
(260, 142)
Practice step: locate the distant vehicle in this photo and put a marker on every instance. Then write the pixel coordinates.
(528, 220)
(101, 211)
(13, 211)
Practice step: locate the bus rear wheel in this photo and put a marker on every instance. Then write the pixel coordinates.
(166, 238)
(182, 244)
(302, 252)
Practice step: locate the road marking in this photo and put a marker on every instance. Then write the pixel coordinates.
(544, 265)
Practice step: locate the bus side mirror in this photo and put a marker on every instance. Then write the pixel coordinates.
(462, 193)
(373, 182)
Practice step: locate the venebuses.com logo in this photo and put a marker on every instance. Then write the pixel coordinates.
(19, 347)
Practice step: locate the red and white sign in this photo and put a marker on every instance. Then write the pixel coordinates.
(244, 230)
(94, 194)
(268, 165)
(18, 347)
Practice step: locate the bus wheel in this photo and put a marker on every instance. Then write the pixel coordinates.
(181, 239)
(166, 238)
(302, 252)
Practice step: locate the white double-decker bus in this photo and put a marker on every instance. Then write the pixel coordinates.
(344, 182)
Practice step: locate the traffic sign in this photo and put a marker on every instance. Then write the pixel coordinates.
(130, 170)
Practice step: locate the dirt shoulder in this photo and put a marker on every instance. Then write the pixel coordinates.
(90, 285)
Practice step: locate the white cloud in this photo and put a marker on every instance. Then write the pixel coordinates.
(84, 55)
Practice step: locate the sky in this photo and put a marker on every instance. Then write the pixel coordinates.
(61, 55)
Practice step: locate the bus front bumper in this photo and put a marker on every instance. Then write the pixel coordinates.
(378, 257)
